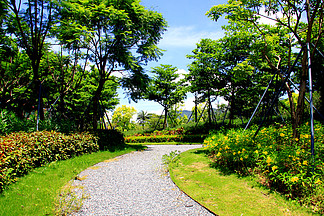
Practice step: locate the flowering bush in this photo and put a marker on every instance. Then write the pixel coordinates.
(20, 152)
(276, 159)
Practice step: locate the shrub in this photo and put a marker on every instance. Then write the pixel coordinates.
(165, 138)
(278, 161)
(110, 139)
(20, 152)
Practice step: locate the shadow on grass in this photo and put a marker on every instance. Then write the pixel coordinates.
(228, 170)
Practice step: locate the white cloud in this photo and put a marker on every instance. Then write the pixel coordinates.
(186, 36)
(190, 102)
(181, 73)
(269, 19)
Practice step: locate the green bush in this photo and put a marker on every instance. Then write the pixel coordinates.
(165, 138)
(9, 123)
(110, 139)
(279, 161)
(21, 151)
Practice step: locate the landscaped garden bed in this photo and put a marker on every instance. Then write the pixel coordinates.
(166, 136)
(278, 161)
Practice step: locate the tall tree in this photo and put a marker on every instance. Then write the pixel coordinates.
(205, 73)
(166, 89)
(30, 22)
(119, 36)
(289, 15)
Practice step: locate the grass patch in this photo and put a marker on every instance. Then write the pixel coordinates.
(37, 192)
(226, 194)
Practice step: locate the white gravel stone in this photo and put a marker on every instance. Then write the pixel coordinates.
(136, 184)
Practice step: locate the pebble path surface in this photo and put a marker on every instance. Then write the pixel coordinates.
(136, 184)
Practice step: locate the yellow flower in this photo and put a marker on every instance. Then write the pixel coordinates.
(265, 152)
(282, 134)
(274, 168)
(256, 151)
(294, 179)
(305, 163)
(234, 153)
(219, 154)
(296, 139)
(318, 181)
(241, 159)
(269, 160)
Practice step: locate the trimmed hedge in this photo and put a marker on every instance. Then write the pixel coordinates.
(21, 151)
(165, 138)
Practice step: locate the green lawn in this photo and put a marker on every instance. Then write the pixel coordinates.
(37, 193)
(226, 194)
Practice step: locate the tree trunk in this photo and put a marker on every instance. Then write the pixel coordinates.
(209, 107)
(165, 124)
(95, 101)
(231, 114)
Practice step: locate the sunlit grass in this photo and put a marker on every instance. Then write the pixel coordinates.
(37, 192)
(226, 194)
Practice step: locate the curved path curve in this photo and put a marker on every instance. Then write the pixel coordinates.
(136, 184)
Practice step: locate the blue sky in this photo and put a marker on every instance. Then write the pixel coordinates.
(187, 24)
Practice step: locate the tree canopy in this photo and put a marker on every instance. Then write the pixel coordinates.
(166, 88)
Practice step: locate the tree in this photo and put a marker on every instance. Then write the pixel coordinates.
(205, 74)
(15, 75)
(81, 97)
(142, 118)
(288, 15)
(122, 116)
(166, 89)
(30, 22)
(119, 36)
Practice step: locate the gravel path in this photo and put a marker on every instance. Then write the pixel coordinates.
(136, 184)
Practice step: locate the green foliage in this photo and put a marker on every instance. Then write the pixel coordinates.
(278, 160)
(272, 47)
(205, 69)
(172, 157)
(122, 116)
(110, 140)
(11, 123)
(165, 89)
(20, 152)
(175, 135)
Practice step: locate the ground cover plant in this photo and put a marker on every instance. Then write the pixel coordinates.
(226, 194)
(42, 190)
(280, 162)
